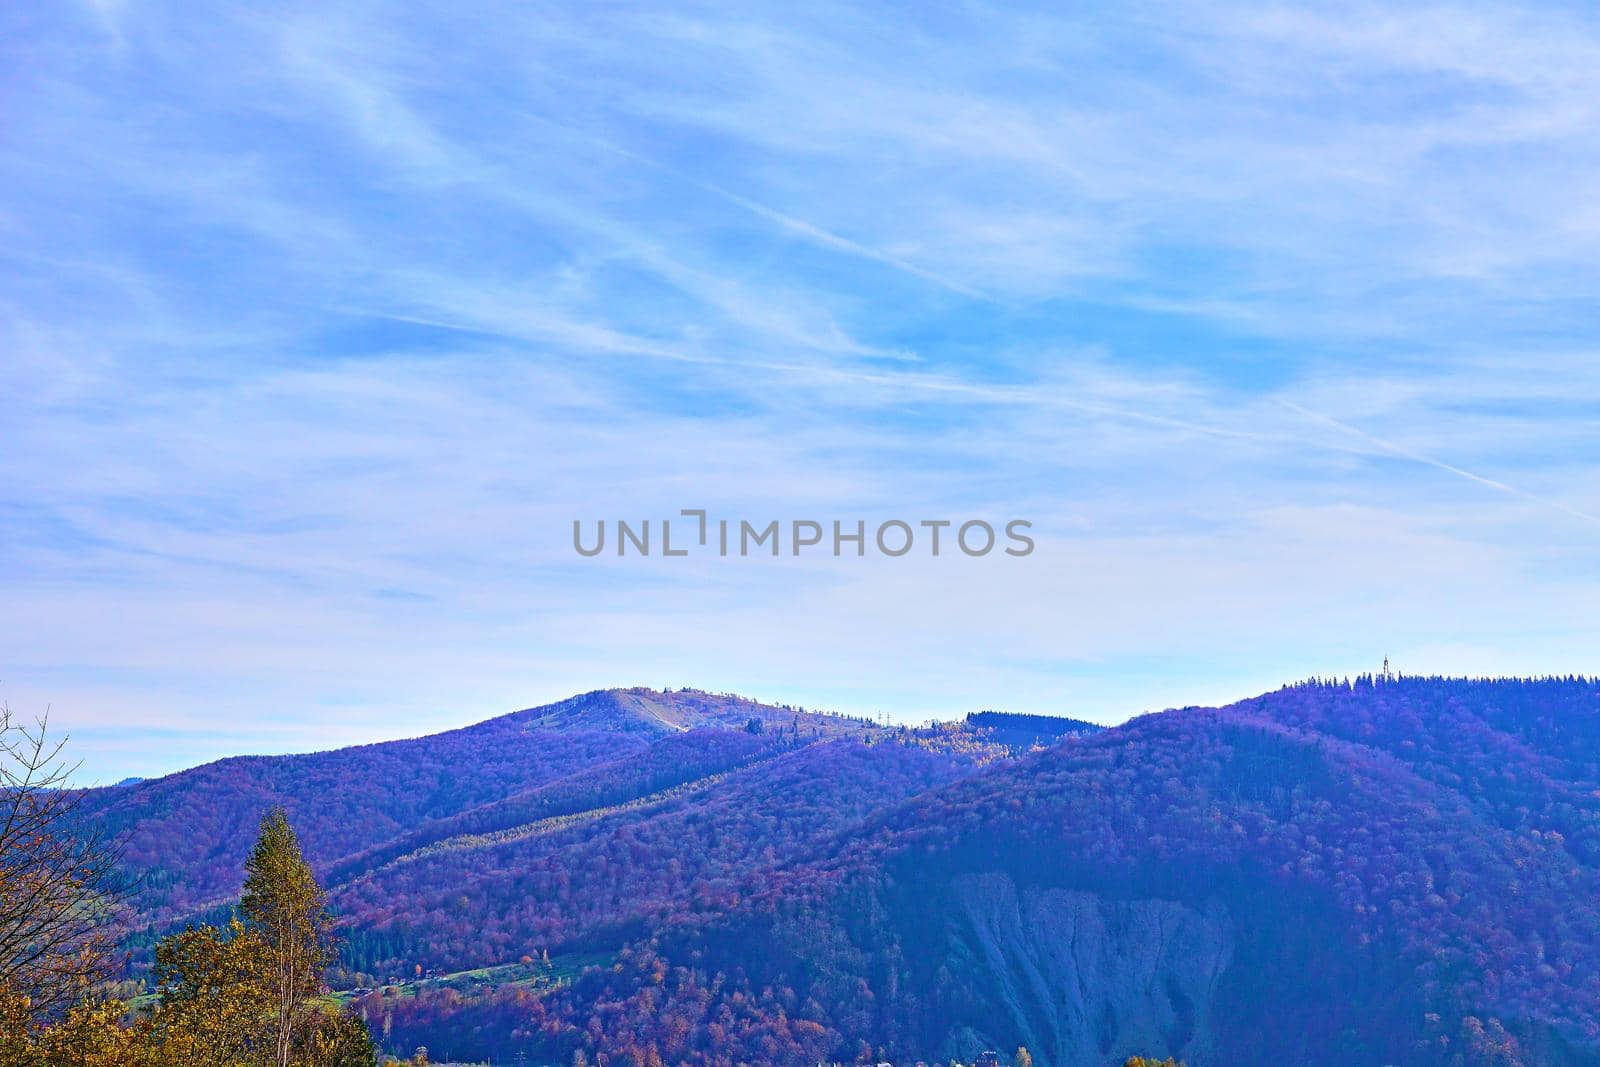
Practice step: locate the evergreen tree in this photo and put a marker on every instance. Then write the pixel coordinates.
(252, 993)
(288, 911)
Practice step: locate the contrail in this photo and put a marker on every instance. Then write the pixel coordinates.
(1418, 457)
(827, 238)
(800, 227)
(603, 339)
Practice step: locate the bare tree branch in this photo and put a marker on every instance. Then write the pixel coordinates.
(57, 884)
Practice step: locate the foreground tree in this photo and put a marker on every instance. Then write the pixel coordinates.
(337, 1039)
(214, 999)
(288, 910)
(249, 993)
(56, 892)
(57, 897)
(253, 992)
(89, 1034)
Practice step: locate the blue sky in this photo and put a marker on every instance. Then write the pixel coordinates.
(320, 325)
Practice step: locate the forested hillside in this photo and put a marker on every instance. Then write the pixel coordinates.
(1379, 871)
(538, 829)
(187, 833)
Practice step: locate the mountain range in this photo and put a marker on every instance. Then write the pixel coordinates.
(1378, 870)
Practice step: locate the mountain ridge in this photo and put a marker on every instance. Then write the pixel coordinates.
(1375, 870)
(594, 749)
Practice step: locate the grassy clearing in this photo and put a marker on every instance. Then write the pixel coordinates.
(536, 975)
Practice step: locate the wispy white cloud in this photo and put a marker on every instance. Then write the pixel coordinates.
(320, 327)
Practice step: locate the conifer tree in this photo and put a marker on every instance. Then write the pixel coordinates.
(288, 911)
